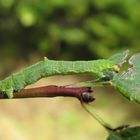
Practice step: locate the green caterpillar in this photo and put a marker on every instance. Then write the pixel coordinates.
(46, 68)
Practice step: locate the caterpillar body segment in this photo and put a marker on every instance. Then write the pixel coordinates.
(47, 68)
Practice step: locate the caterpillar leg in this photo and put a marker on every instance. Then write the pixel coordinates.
(9, 93)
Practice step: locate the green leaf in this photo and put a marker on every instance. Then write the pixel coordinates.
(128, 82)
(120, 58)
(130, 133)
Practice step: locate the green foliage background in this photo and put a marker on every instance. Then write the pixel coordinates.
(69, 30)
(59, 28)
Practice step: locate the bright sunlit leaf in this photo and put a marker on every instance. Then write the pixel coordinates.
(27, 15)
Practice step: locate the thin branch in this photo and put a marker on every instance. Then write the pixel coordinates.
(84, 94)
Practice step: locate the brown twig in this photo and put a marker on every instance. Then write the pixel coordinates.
(81, 93)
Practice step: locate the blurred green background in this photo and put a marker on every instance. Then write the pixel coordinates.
(68, 30)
